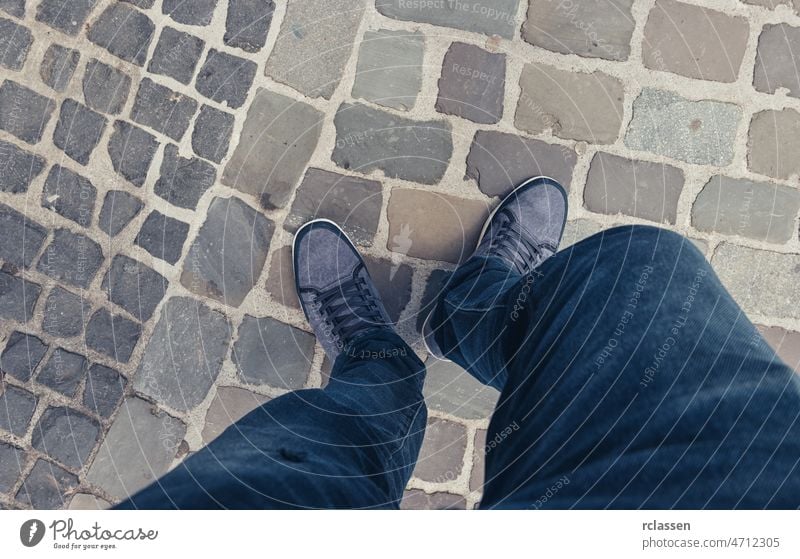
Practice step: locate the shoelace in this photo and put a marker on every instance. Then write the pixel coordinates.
(512, 244)
(346, 306)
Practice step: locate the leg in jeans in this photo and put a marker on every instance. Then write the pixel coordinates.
(629, 377)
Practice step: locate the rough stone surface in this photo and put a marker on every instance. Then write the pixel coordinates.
(183, 181)
(184, 355)
(776, 59)
(66, 435)
(450, 238)
(135, 287)
(71, 258)
(278, 138)
(131, 150)
(353, 203)
(598, 29)
(442, 455)
(157, 437)
(212, 133)
(124, 32)
(273, 353)
(64, 313)
(472, 84)
(196, 12)
(22, 354)
(47, 487)
(16, 409)
(67, 17)
(416, 499)
(15, 41)
(591, 112)
(368, 139)
(176, 55)
(700, 132)
(247, 24)
(393, 280)
(112, 335)
(758, 210)
(638, 188)
(229, 252)
(104, 388)
(163, 236)
(119, 208)
(280, 283)
(105, 88)
(23, 112)
(500, 162)
(451, 389)
(70, 195)
(478, 474)
(20, 168)
(314, 44)
(86, 501)
(63, 372)
(22, 237)
(229, 406)
(78, 130)
(389, 70)
(58, 66)
(18, 296)
(774, 140)
(496, 18)
(15, 8)
(226, 78)
(12, 462)
(162, 109)
(693, 41)
(786, 344)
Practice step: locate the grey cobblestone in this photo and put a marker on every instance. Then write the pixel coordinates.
(774, 137)
(18, 296)
(163, 236)
(22, 354)
(162, 109)
(47, 487)
(135, 287)
(131, 150)
(124, 32)
(63, 372)
(104, 389)
(212, 133)
(20, 168)
(78, 130)
(495, 18)
(66, 435)
(16, 410)
(196, 12)
(226, 78)
(15, 42)
(15, 8)
(105, 88)
(183, 181)
(778, 49)
(247, 24)
(228, 406)
(12, 463)
(119, 208)
(64, 313)
(176, 55)
(416, 499)
(112, 335)
(23, 112)
(22, 237)
(67, 17)
(71, 258)
(472, 84)
(451, 389)
(70, 195)
(58, 66)
(441, 458)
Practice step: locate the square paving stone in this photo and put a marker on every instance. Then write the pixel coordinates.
(71, 258)
(773, 141)
(22, 354)
(163, 236)
(354, 203)
(757, 210)
(183, 181)
(70, 195)
(417, 499)
(66, 435)
(450, 389)
(778, 51)
(23, 112)
(184, 355)
(591, 112)
(64, 313)
(104, 388)
(451, 237)
(19, 168)
(105, 88)
(701, 132)
(135, 287)
(22, 237)
(124, 32)
(638, 188)
(314, 45)
(16, 409)
(228, 406)
(15, 41)
(156, 437)
(196, 12)
(65, 16)
(176, 55)
(162, 109)
(15, 8)
(18, 296)
(412, 150)
(58, 66)
(47, 487)
(226, 78)
(63, 372)
(212, 133)
(273, 353)
(389, 70)
(693, 41)
(131, 150)
(492, 18)
(78, 130)
(12, 462)
(472, 84)
(112, 335)
(247, 24)
(500, 162)
(228, 254)
(598, 29)
(277, 141)
(119, 208)
(441, 458)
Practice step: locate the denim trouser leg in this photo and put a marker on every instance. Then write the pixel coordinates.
(352, 444)
(629, 378)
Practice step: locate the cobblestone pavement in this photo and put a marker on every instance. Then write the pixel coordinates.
(158, 154)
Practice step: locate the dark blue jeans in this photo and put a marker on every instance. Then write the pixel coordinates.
(629, 378)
